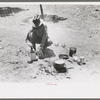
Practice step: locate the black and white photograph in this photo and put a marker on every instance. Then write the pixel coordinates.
(49, 43)
(55, 42)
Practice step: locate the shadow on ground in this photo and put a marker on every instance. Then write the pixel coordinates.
(53, 18)
(7, 11)
(49, 53)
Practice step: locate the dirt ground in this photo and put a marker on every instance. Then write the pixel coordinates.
(81, 29)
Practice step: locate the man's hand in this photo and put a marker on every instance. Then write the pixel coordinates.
(29, 44)
(40, 48)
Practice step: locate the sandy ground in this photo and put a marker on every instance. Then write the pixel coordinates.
(81, 29)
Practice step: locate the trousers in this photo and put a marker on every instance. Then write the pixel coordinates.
(37, 40)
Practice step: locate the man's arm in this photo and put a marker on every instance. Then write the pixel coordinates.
(27, 37)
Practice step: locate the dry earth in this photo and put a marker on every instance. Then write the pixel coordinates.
(81, 29)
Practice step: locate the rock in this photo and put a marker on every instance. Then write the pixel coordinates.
(53, 71)
(34, 77)
(22, 23)
(56, 44)
(70, 68)
(47, 71)
(16, 68)
(70, 60)
(17, 53)
(63, 45)
(14, 62)
(90, 36)
(96, 9)
(1, 47)
(68, 77)
(75, 58)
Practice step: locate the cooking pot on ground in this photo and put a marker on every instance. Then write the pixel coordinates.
(59, 65)
(63, 56)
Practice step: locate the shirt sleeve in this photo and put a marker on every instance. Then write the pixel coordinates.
(27, 37)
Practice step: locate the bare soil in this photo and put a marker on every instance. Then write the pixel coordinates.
(76, 26)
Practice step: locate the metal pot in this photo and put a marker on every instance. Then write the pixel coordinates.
(63, 56)
(59, 65)
(72, 51)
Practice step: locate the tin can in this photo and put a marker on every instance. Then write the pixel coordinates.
(72, 51)
(33, 56)
(82, 60)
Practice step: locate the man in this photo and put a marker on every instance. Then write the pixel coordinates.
(38, 34)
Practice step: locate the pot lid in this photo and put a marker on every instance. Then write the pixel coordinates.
(60, 61)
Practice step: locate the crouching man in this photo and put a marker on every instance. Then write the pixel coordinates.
(38, 35)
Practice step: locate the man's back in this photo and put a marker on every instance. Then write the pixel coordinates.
(39, 31)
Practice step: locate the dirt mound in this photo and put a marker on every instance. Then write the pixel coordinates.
(7, 11)
(53, 18)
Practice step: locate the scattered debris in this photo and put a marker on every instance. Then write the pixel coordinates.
(22, 23)
(63, 45)
(50, 63)
(53, 72)
(34, 77)
(1, 47)
(71, 61)
(18, 52)
(96, 9)
(53, 18)
(79, 63)
(90, 36)
(48, 70)
(75, 58)
(94, 72)
(16, 68)
(56, 44)
(68, 77)
(70, 68)
(14, 62)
